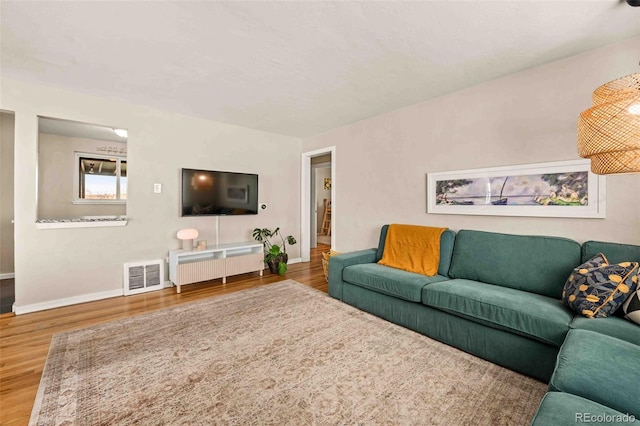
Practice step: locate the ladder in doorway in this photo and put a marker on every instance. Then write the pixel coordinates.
(326, 221)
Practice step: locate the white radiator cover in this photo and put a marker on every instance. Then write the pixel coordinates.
(141, 277)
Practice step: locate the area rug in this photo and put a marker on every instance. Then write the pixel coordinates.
(280, 354)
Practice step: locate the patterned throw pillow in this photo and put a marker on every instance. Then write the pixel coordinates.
(596, 289)
(631, 308)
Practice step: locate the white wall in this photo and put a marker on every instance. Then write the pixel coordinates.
(63, 264)
(6, 193)
(529, 117)
(57, 163)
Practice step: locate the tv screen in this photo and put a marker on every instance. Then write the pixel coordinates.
(216, 193)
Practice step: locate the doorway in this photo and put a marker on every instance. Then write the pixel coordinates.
(318, 168)
(7, 270)
(321, 212)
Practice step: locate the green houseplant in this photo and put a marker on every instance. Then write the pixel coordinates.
(275, 255)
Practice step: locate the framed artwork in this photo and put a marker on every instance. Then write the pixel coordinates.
(557, 189)
(327, 183)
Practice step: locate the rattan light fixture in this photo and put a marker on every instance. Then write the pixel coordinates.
(609, 131)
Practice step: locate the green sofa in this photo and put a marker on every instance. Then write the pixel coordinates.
(497, 296)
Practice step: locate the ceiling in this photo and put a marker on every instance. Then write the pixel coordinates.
(294, 68)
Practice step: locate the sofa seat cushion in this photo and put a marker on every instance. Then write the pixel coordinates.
(538, 317)
(600, 368)
(616, 327)
(390, 281)
(560, 409)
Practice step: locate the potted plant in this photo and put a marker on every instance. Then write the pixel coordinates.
(275, 255)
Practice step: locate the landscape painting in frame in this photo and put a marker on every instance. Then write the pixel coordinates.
(558, 189)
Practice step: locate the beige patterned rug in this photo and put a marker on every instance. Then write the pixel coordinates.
(281, 354)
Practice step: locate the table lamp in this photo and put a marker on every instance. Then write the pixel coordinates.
(187, 236)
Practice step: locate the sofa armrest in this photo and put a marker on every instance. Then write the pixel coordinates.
(337, 264)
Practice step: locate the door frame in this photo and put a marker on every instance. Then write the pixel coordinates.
(305, 200)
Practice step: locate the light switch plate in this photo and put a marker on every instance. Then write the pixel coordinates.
(157, 188)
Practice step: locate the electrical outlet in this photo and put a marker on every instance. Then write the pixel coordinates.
(157, 188)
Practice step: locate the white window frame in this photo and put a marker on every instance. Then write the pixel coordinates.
(76, 178)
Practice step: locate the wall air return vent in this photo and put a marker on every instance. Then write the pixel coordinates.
(141, 277)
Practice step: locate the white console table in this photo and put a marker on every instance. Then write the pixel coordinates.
(192, 266)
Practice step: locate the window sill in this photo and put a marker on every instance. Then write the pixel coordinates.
(100, 202)
(81, 222)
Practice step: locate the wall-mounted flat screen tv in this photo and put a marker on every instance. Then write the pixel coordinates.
(216, 193)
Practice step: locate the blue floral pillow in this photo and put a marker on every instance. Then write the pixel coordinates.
(596, 288)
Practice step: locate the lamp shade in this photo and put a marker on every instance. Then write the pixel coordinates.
(609, 131)
(187, 234)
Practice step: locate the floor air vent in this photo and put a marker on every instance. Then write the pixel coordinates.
(141, 277)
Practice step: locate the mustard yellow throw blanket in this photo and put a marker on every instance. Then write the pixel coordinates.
(412, 248)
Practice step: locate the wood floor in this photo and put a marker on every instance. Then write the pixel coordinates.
(24, 339)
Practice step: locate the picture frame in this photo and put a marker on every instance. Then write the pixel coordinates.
(327, 184)
(553, 189)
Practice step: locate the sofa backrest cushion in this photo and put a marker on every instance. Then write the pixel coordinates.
(615, 253)
(536, 264)
(446, 248)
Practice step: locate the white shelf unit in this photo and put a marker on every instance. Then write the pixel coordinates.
(222, 261)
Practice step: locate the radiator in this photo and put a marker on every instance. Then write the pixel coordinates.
(140, 277)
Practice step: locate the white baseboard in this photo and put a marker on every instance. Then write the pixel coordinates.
(7, 276)
(19, 310)
(295, 260)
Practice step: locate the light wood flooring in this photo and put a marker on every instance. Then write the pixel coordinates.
(24, 339)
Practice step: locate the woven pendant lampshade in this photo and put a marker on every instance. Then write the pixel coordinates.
(609, 131)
